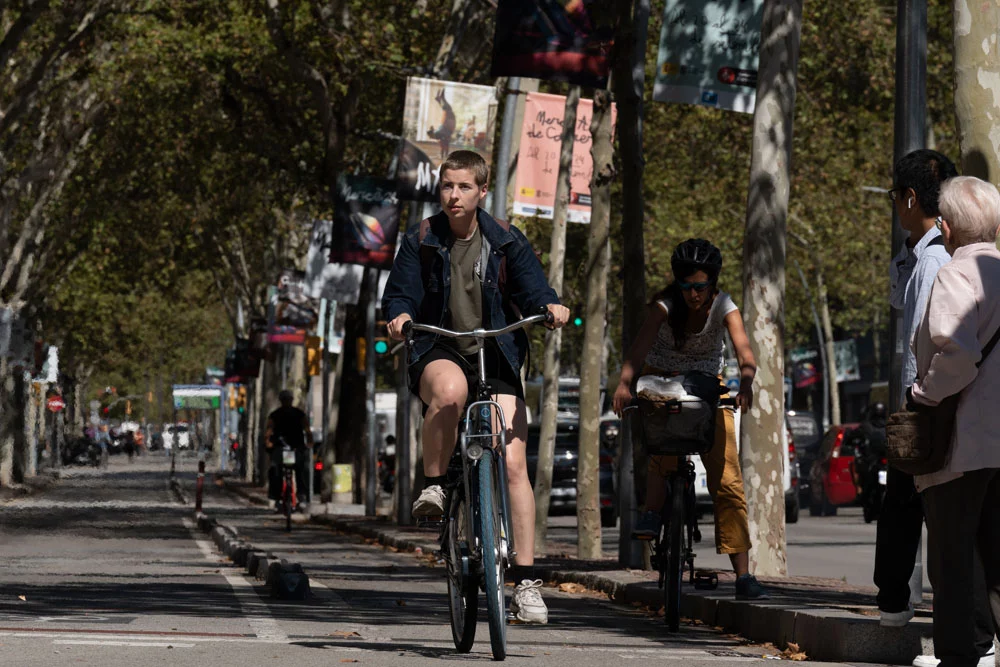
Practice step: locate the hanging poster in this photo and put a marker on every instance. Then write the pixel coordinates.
(440, 117)
(538, 158)
(846, 354)
(557, 40)
(294, 312)
(805, 367)
(365, 222)
(332, 280)
(708, 53)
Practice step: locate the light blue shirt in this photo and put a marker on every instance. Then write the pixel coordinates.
(911, 275)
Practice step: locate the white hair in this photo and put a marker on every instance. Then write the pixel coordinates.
(972, 209)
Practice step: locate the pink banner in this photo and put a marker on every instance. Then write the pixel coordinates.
(538, 158)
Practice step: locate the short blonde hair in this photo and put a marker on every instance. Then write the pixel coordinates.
(972, 209)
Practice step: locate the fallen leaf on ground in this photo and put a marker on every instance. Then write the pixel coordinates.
(572, 588)
(792, 652)
(344, 633)
(22, 598)
(349, 660)
(401, 603)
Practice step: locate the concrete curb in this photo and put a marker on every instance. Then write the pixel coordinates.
(826, 634)
(283, 579)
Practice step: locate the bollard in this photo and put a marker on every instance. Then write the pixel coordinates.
(201, 483)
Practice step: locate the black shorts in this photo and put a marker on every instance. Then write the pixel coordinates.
(499, 375)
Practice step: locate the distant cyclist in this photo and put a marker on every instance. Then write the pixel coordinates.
(683, 332)
(291, 425)
(449, 276)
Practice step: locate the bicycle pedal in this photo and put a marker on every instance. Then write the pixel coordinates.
(431, 522)
(706, 581)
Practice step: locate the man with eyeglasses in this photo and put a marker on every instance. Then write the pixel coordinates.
(917, 183)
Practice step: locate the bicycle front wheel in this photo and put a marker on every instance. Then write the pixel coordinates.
(463, 592)
(493, 538)
(674, 562)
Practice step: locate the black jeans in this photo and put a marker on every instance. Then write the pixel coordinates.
(962, 519)
(900, 522)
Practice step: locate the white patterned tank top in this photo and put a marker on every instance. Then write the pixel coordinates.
(703, 351)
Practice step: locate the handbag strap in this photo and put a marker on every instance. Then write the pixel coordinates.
(989, 347)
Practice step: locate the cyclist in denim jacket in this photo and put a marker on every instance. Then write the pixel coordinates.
(448, 275)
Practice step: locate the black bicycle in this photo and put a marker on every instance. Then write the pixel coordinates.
(288, 481)
(680, 428)
(477, 539)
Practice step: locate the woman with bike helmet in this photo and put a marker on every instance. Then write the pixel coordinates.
(683, 333)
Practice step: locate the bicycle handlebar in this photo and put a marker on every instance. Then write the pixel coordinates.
(410, 327)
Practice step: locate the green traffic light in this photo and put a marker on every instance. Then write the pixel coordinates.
(381, 347)
(578, 321)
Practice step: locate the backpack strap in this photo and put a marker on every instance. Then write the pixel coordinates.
(937, 240)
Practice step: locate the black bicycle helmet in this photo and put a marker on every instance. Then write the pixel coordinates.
(878, 412)
(696, 255)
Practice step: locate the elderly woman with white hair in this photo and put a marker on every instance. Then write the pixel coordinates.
(962, 501)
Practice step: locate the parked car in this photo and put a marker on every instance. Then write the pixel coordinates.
(564, 467)
(807, 436)
(790, 477)
(831, 476)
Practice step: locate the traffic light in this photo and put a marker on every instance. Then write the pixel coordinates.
(578, 321)
(381, 345)
(360, 348)
(241, 399)
(232, 397)
(128, 407)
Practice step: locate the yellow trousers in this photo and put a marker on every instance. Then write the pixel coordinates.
(725, 485)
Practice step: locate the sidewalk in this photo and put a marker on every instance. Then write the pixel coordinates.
(828, 619)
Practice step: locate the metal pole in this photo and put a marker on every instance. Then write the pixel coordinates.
(909, 135)
(822, 347)
(200, 485)
(371, 484)
(403, 400)
(503, 154)
(629, 550)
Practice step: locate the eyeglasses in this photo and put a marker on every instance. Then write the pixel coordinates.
(697, 287)
(938, 221)
(893, 193)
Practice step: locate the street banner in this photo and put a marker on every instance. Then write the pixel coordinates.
(708, 53)
(440, 117)
(333, 281)
(805, 367)
(538, 158)
(365, 222)
(294, 311)
(197, 397)
(846, 354)
(557, 40)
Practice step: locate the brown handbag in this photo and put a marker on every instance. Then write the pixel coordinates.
(918, 441)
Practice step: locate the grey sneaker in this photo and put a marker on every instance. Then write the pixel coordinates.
(430, 502)
(527, 604)
(748, 588)
(987, 660)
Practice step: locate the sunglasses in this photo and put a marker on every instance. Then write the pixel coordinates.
(697, 287)
(893, 193)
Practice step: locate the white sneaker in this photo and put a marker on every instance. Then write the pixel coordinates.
(894, 619)
(527, 604)
(430, 502)
(988, 660)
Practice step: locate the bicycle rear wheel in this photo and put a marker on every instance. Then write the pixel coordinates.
(463, 591)
(674, 561)
(288, 503)
(492, 535)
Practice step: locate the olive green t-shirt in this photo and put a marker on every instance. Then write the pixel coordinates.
(465, 303)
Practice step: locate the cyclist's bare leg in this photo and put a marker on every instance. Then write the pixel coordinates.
(443, 388)
(656, 486)
(522, 498)
(741, 563)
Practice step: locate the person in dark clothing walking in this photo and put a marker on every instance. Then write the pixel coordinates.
(291, 425)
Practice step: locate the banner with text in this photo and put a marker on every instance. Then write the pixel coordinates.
(538, 159)
(440, 117)
(365, 222)
(555, 40)
(708, 53)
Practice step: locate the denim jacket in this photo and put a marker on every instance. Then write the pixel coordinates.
(425, 295)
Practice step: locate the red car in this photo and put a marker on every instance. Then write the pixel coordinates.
(831, 478)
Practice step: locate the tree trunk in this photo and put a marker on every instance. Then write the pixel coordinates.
(629, 79)
(831, 359)
(588, 509)
(764, 282)
(553, 339)
(977, 67)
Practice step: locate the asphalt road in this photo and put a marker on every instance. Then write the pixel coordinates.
(835, 547)
(105, 568)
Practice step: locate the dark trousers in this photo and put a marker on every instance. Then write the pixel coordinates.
(275, 476)
(963, 561)
(900, 522)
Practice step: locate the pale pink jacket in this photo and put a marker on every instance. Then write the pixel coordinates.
(962, 315)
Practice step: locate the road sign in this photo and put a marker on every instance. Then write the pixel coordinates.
(197, 397)
(55, 404)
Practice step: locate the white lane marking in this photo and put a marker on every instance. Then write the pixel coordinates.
(253, 607)
(75, 636)
(43, 503)
(96, 642)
